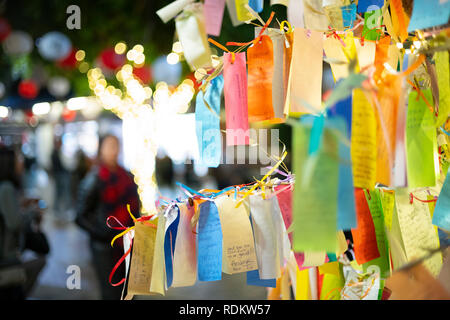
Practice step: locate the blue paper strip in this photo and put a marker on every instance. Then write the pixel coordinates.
(169, 247)
(429, 13)
(346, 216)
(208, 124)
(441, 215)
(348, 15)
(253, 279)
(256, 5)
(363, 5)
(209, 258)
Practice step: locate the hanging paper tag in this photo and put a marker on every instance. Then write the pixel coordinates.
(208, 123)
(334, 50)
(421, 142)
(241, 11)
(303, 291)
(295, 14)
(171, 10)
(214, 10)
(235, 91)
(429, 13)
(260, 73)
(238, 249)
(400, 20)
(417, 232)
(364, 238)
(231, 5)
(142, 263)
(315, 192)
(314, 15)
(265, 235)
(441, 216)
(306, 73)
(256, 5)
(158, 271)
(441, 59)
(209, 258)
(376, 210)
(172, 220)
(192, 34)
(363, 142)
(253, 279)
(278, 84)
(185, 255)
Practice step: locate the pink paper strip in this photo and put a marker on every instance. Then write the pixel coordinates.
(213, 10)
(235, 90)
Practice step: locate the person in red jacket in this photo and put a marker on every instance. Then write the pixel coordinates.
(105, 191)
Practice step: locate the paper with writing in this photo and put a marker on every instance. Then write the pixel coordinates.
(429, 13)
(260, 76)
(238, 248)
(441, 216)
(364, 237)
(283, 242)
(159, 269)
(172, 219)
(235, 91)
(418, 234)
(363, 142)
(214, 10)
(315, 192)
(267, 248)
(421, 142)
(306, 73)
(209, 256)
(192, 34)
(208, 124)
(185, 255)
(141, 265)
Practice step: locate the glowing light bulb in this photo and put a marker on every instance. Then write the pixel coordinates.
(80, 54)
(177, 47)
(173, 58)
(120, 48)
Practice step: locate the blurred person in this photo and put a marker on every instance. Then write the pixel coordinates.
(61, 178)
(82, 167)
(105, 191)
(20, 220)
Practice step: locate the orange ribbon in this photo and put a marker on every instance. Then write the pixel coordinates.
(257, 38)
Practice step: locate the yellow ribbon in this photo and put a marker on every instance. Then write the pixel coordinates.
(262, 180)
(125, 231)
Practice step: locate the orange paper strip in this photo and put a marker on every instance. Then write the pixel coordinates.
(364, 238)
